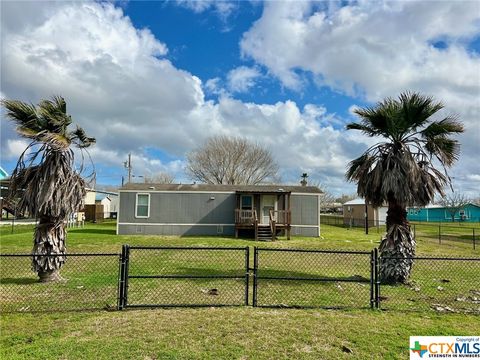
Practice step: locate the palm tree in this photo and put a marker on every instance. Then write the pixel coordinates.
(401, 170)
(45, 180)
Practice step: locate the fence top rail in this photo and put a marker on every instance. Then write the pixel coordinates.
(175, 276)
(67, 254)
(320, 279)
(187, 248)
(428, 258)
(315, 251)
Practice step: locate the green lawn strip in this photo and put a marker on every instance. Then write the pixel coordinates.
(102, 238)
(226, 333)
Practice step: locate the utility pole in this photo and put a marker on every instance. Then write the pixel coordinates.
(128, 166)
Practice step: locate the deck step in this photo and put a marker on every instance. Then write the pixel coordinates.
(264, 233)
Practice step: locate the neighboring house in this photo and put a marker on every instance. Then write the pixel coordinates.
(99, 205)
(261, 211)
(354, 214)
(438, 213)
(90, 197)
(109, 201)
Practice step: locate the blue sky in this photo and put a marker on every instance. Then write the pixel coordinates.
(156, 79)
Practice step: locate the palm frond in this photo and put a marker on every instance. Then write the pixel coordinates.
(366, 129)
(417, 109)
(80, 138)
(53, 114)
(24, 115)
(447, 126)
(446, 150)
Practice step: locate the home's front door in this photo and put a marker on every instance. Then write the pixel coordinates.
(268, 202)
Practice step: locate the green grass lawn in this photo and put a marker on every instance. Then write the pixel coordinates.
(232, 332)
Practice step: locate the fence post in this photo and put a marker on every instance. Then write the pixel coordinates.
(473, 235)
(255, 267)
(372, 279)
(247, 272)
(123, 278)
(127, 260)
(376, 278)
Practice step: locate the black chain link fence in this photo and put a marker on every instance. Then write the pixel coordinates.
(464, 234)
(440, 284)
(207, 276)
(313, 278)
(90, 281)
(186, 276)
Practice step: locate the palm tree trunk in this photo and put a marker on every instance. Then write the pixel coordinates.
(49, 239)
(397, 247)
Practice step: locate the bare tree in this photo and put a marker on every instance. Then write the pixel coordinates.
(327, 199)
(230, 160)
(160, 178)
(345, 197)
(453, 203)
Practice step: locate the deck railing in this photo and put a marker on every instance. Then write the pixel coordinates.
(273, 224)
(245, 216)
(281, 217)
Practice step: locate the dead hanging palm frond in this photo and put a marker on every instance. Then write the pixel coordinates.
(397, 250)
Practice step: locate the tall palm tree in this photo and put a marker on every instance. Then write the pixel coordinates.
(45, 180)
(406, 169)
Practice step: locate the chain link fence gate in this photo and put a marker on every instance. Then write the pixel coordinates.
(314, 278)
(183, 276)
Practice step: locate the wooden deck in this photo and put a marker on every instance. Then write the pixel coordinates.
(278, 220)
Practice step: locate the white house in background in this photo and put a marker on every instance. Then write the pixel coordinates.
(354, 213)
(105, 202)
(109, 202)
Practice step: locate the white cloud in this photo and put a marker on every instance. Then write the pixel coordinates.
(214, 86)
(14, 148)
(121, 90)
(375, 49)
(222, 8)
(368, 47)
(242, 78)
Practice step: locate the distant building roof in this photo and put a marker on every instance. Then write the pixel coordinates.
(433, 206)
(355, 202)
(227, 188)
(437, 206)
(102, 192)
(100, 197)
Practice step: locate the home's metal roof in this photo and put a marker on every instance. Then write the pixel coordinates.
(226, 188)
